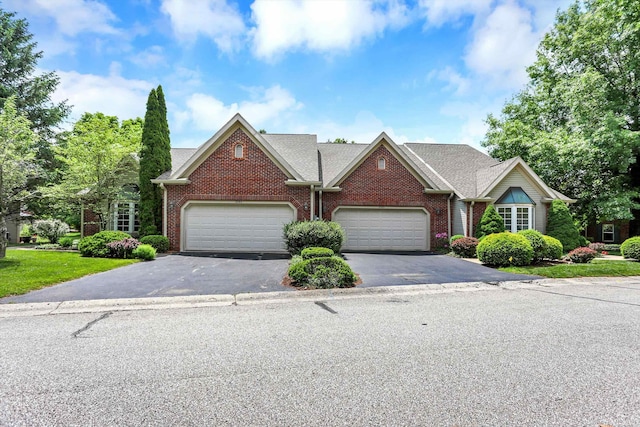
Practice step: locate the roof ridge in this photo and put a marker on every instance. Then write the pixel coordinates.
(433, 170)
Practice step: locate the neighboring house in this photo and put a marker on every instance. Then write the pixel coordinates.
(237, 190)
(608, 231)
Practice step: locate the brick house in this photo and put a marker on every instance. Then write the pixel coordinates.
(237, 190)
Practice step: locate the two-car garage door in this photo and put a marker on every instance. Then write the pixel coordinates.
(235, 227)
(400, 229)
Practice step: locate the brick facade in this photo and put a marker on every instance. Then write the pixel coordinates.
(254, 177)
(393, 186)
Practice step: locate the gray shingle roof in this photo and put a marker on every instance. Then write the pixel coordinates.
(485, 176)
(335, 157)
(179, 157)
(439, 183)
(299, 150)
(456, 163)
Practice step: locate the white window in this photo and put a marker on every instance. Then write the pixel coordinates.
(608, 232)
(382, 163)
(516, 218)
(238, 151)
(125, 217)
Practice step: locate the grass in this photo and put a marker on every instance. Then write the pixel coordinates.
(597, 268)
(25, 271)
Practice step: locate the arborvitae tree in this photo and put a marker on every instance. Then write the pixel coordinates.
(491, 222)
(155, 159)
(561, 226)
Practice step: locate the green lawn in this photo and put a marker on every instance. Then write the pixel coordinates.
(597, 268)
(22, 271)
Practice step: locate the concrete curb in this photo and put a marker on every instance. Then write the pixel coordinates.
(163, 303)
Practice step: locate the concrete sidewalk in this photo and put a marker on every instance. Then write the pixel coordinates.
(164, 303)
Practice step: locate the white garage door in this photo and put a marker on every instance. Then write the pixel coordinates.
(235, 227)
(384, 229)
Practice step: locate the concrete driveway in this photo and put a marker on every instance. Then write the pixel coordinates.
(414, 269)
(171, 275)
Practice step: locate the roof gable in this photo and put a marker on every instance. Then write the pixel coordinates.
(401, 156)
(237, 122)
(503, 169)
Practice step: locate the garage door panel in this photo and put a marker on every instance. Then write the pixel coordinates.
(236, 227)
(384, 229)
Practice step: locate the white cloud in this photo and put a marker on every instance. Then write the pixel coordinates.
(71, 16)
(206, 112)
(322, 26)
(439, 12)
(151, 57)
(112, 95)
(215, 19)
(504, 45)
(455, 82)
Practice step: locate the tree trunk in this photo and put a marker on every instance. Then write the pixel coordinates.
(3, 235)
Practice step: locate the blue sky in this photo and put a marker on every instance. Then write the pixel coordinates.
(422, 71)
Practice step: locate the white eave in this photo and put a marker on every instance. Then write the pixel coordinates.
(177, 181)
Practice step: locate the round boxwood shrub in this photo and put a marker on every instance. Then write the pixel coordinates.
(465, 247)
(304, 234)
(582, 255)
(159, 243)
(537, 243)
(322, 272)
(554, 247)
(455, 237)
(315, 252)
(96, 245)
(504, 249)
(144, 252)
(630, 248)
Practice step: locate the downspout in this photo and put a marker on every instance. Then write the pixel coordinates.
(82, 220)
(471, 219)
(320, 215)
(312, 207)
(164, 210)
(449, 214)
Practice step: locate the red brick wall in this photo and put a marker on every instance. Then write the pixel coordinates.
(393, 186)
(222, 177)
(478, 210)
(91, 223)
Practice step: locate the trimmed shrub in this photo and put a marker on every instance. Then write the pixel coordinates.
(554, 247)
(465, 247)
(561, 226)
(582, 255)
(144, 252)
(159, 243)
(504, 249)
(537, 243)
(490, 223)
(315, 252)
(455, 237)
(322, 272)
(612, 247)
(66, 242)
(50, 229)
(48, 246)
(304, 234)
(630, 248)
(123, 248)
(96, 245)
(598, 247)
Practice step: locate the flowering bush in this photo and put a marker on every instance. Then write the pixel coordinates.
(51, 229)
(442, 241)
(598, 247)
(582, 255)
(465, 247)
(123, 248)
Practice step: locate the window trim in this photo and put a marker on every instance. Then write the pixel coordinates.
(514, 215)
(235, 151)
(131, 216)
(381, 162)
(612, 232)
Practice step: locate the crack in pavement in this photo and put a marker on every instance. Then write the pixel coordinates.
(584, 297)
(90, 324)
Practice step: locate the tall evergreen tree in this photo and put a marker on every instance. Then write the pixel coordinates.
(155, 159)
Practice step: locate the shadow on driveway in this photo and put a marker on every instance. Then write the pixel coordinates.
(384, 269)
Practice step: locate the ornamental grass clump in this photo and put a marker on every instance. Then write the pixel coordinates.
(630, 248)
(582, 255)
(465, 247)
(123, 248)
(505, 249)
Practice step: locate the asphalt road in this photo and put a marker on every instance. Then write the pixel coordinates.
(555, 356)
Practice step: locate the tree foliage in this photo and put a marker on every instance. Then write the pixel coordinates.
(560, 225)
(99, 159)
(577, 123)
(155, 159)
(17, 164)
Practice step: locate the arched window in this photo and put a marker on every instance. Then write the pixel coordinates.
(238, 152)
(382, 163)
(516, 209)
